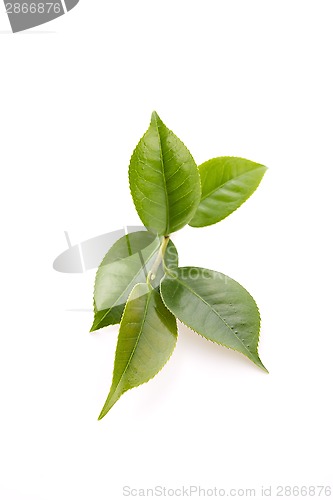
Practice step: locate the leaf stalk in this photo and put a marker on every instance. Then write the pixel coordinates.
(160, 256)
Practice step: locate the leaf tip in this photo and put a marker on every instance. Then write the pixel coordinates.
(95, 326)
(106, 408)
(261, 365)
(155, 118)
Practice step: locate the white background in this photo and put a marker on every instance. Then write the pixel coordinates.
(242, 78)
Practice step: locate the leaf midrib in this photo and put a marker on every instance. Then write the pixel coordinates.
(164, 179)
(149, 293)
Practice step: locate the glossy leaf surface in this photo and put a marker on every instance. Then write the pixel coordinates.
(164, 180)
(147, 338)
(226, 182)
(127, 263)
(216, 307)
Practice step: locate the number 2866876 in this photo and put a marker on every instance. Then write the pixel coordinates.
(33, 8)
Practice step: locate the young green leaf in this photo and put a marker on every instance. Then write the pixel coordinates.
(226, 182)
(147, 338)
(216, 307)
(127, 263)
(164, 180)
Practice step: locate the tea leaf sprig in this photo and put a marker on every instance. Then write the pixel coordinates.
(139, 284)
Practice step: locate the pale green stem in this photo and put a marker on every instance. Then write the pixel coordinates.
(152, 273)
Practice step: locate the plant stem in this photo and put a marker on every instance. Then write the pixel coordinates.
(152, 273)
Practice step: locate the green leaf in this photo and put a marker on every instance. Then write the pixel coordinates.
(127, 263)
(216, 307)
(226, 182)
(164, 180)
(147, 338)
